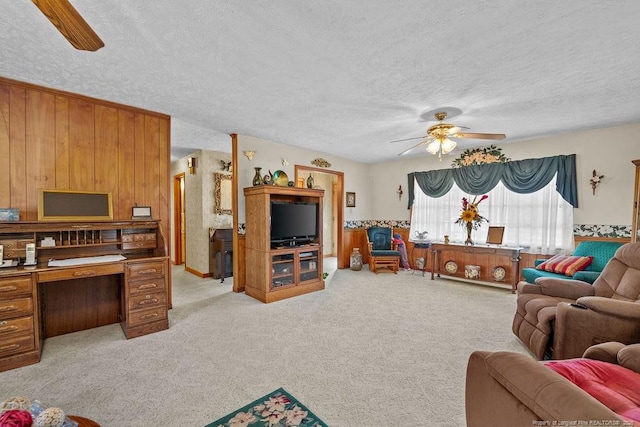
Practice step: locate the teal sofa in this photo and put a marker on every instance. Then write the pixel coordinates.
(601, 252)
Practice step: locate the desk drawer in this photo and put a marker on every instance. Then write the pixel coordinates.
(139, 240)
(139, 237)
(15, 286)
(16, 308)
(146, 269)
(139, 245)
(15, 248)
(79, 272)
(148, 300)
(17, 326)
(149, 285)
(139, 317)
(18, 344)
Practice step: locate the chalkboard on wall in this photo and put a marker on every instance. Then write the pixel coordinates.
(64, 205)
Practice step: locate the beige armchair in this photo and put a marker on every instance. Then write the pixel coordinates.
(561, 318)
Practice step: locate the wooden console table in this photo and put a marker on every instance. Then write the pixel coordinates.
(112, 271)
(498, 265)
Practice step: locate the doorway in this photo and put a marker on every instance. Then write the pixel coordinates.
(179, 223)
(333, 223)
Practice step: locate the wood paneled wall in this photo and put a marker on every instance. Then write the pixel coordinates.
(59, 140)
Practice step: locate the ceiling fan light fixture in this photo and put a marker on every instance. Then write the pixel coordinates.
(448, 145)
(433, 147)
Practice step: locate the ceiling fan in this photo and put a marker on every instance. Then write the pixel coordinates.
(437, 138)
(69, 22)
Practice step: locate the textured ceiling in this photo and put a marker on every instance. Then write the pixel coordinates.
(344, 77)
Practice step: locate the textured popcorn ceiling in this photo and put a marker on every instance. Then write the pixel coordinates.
(344, 77)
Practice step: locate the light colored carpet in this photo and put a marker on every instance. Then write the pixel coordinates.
(369, 350)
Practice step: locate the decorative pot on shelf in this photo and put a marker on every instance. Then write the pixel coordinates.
(310, 181)
(257, 178)
(268, 178)
(355, 261)
(469, 228)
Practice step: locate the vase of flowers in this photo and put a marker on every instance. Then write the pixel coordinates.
(470, 218)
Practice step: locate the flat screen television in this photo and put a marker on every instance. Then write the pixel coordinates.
(293, 223)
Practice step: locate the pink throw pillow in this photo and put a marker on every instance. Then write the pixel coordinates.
(566, 264)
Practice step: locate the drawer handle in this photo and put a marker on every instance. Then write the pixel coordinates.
(8, 288)
(8, 329)
(8, 308)
(10, 347)
(84, 273)
(148, 286)
(148, 316)
(148, 301)
(139, 245)
(148, 271)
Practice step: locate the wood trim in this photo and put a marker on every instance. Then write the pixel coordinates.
(238, 256)
(298, 171)
(197, 273)
(31, 86)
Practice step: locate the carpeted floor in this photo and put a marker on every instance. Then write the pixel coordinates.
(369, 350)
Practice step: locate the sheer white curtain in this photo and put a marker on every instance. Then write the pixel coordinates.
(540, 222)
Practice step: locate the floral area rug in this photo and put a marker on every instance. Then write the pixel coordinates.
(278, 409)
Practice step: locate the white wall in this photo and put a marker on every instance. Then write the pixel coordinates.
(199, 206)
(609, 151)
(269, 155)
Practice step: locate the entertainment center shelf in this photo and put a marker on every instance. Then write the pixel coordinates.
(279, 270)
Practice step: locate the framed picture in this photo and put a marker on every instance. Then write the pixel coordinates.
(351, 200)
(74, 205)
(141, 212)
(494, 236)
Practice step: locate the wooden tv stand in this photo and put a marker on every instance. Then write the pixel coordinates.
(282, 272)
(97, 288)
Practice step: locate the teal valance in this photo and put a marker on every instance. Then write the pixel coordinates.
(520, 176)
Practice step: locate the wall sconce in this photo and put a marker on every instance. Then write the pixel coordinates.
(191, 164)
(595, 181)
(399, 191)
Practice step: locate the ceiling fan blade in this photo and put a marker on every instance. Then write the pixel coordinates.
(408, 139)
(480, 135)
(426, 141)
(456, 129)
(69, 22)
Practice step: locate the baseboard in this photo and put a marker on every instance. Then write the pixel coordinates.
(196, 272)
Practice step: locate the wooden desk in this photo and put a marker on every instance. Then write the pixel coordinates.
(498, 265)
(41, 301)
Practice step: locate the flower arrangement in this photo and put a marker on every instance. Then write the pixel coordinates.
(595, 181)
(469, 214)
(469, 217)
(480, 156)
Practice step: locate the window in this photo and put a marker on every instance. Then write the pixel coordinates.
(540, 222)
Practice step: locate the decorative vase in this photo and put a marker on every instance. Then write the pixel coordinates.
(268, 178)
(257, 178)
(310, 181)
(469, 228)
(356, 260)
